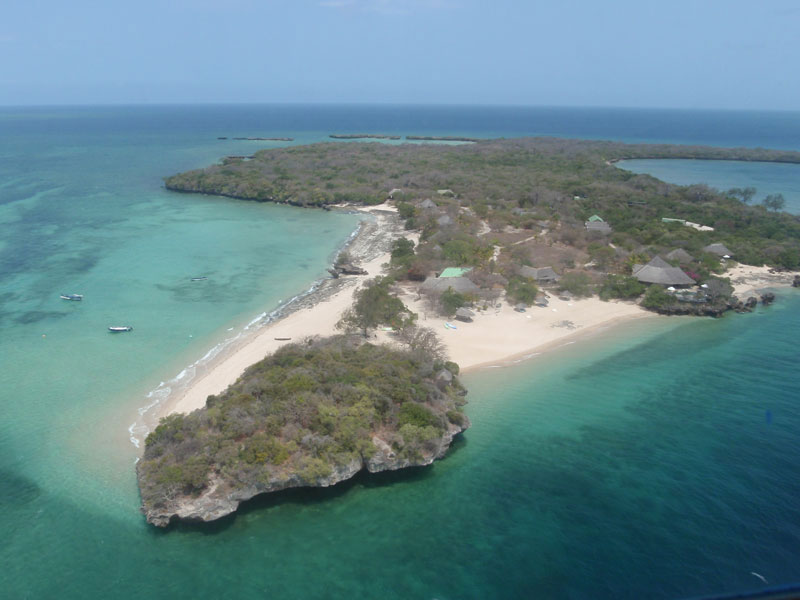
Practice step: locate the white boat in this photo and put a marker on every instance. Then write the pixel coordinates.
(73, 297)
(199, 278)
(120, 329)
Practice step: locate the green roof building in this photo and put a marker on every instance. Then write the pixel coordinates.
(455, 272)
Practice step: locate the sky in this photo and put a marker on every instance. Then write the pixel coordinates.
(706, 54)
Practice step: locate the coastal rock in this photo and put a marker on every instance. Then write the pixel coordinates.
(220, 499)
(351, 269)
(767, 298)
(311, 415)
(796, 281)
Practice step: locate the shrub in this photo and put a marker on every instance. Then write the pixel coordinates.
(521, 289)
(621, 286)
(413, 413)
(451, 301)
(657, 297)
(577, 284)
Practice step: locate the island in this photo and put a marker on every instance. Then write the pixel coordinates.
(484, 253)
(311, 415)
(441, 138)
(362, 136)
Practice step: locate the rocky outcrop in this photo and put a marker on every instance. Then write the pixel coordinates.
(310, 415)
(796, 281)
(219, 499)
(346, 269)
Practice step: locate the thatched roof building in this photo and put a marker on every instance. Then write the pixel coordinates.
(598, 226)
(462, 285)
(540, 275)
(427, 204)
(660, 271)
(680, 255)
(718, 249)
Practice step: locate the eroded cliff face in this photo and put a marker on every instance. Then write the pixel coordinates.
(221, 498)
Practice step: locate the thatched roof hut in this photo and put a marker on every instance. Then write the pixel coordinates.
(680, 255)
(462, 285)
(598, 226)
(718, 249)
(427, 204)
(540, 275)
(660, 271)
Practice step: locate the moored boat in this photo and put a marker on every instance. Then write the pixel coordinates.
(199, 278)
(120, 329)
(73, 297)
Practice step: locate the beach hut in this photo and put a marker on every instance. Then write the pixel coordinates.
(598, 226)
(541, 300)
(464, 314)
(521, 307)
(661, 272)
(681, 255)
(539, 275)
(427, 204)
(718, 249)
(462, 285)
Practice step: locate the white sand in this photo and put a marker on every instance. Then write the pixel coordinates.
(501, 335)
(496, 336)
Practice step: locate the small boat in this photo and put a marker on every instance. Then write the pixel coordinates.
(282, 339)
(199, 278)
(120, 329)
(73, 297)
(450, 326)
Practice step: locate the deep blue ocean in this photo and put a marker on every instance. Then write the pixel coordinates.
(657, 459)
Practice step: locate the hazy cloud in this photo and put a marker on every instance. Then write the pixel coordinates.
(7, 38)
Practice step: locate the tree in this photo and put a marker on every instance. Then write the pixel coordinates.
(402, 251)
(375, 306)
(774, 202)
(576, 283)
(601, 255)
(424, 341)
(621, 286)
(522, 289)
(744, 194)
(451, 300)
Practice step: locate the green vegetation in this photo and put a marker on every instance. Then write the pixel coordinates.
(450, 301)
(521, 289)
(622, 287)
(522, 202)
(296, 417)
(577, 284)
(657, 297)
(375, 306)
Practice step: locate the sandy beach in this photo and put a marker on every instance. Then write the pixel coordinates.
(498, 335)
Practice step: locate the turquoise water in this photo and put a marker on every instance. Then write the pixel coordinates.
(767, 178)
(657, 459)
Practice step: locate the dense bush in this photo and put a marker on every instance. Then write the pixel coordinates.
(621, 286)
(304, 410)
(521, 289)
(657, 297)
(578, 284)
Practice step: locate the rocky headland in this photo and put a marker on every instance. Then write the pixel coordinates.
(311, 415)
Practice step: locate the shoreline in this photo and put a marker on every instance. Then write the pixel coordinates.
(498, 336)
(313, 312)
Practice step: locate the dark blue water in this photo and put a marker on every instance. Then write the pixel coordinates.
(310, 122)
(658, 460)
